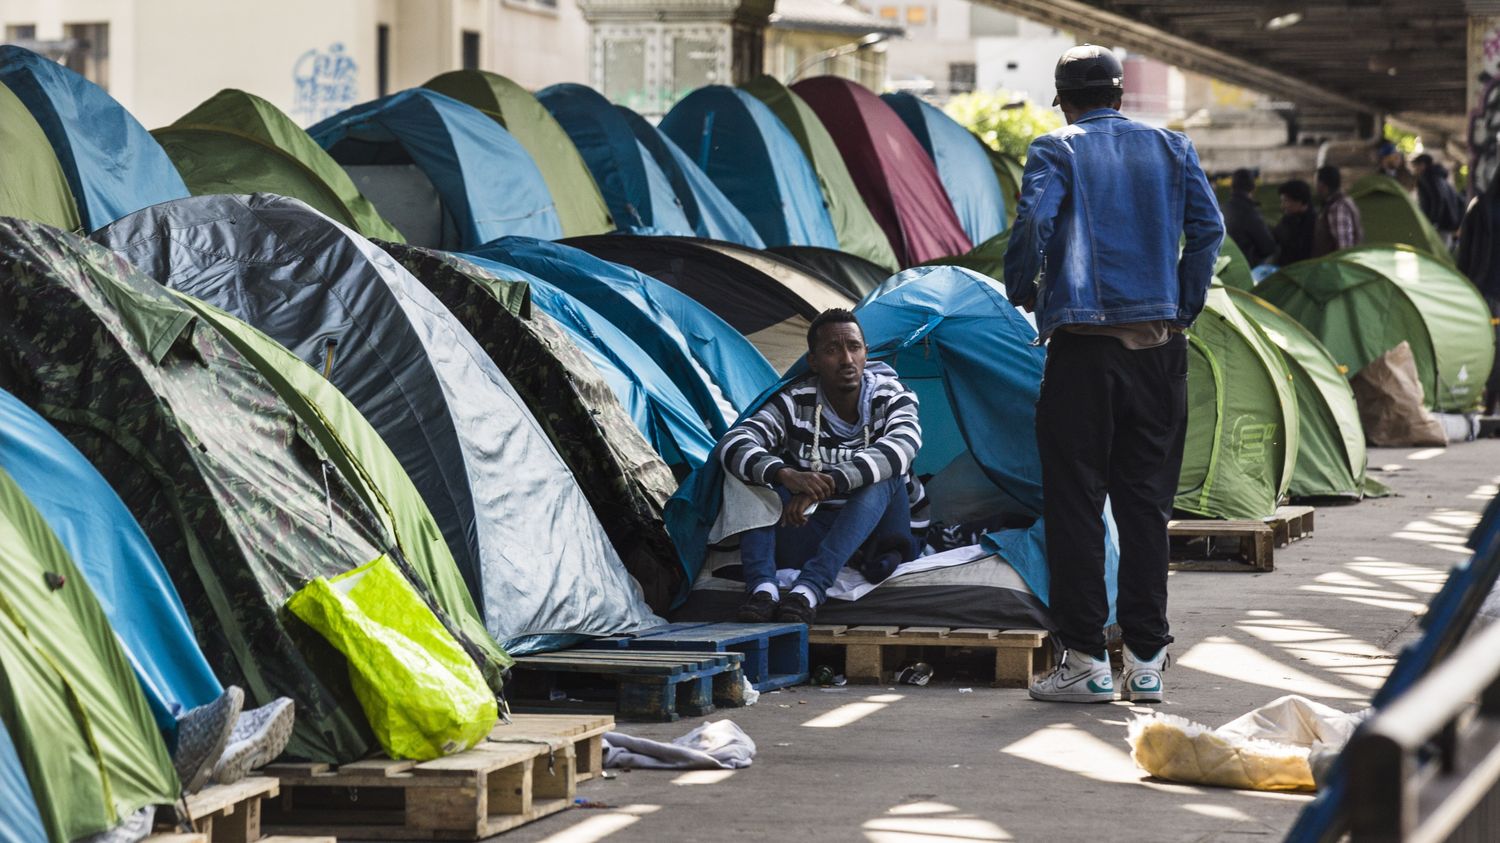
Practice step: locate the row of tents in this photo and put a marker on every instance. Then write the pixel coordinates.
(494, 337)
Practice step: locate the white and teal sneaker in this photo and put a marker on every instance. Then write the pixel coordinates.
(1140, 680)
(1078, 678)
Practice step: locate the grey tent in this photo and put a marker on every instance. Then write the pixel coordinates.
(530, 548)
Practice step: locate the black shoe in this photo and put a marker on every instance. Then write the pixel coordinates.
(760, 608)
(877, 569)
(794, 608)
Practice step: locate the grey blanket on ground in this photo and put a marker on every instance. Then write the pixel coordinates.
(717, 745)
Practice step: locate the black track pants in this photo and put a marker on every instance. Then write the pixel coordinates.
(1110, 421)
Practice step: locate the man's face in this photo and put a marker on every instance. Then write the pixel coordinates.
(838, 357)
(1418, 167)
(1392, 161)
(1291, 206)
(1323, 191)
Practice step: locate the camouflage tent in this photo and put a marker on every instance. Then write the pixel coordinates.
(236, 495)
(624, 480)
(531, 551)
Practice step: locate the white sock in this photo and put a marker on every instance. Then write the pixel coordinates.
(768, 588)
(812, 596)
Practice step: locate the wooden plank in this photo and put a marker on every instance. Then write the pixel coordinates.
(175, 838)
(295, 768)
(924, 632)
(287, 838)
(872, 632)
(224, 797)
(826, 629)
(378, 766)
(973, 634)
(863, 663)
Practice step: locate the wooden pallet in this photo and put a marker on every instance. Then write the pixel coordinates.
(775, 653)
(1237, 545)
(868, 655)
(489, 789)
(633, 684)
(585, 732)
(223, 813)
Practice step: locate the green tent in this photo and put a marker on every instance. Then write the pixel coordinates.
(1242, 434)
(580, 206)
(353, 445)
(32, 184)
(236, 142)
(988, 258)
(68, 696)
(1330, 438)
(1009, 171)
(1391, 217)
(1236, 273)
(858, 232)
(1361, 303)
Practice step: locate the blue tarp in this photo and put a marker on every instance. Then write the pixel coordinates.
(639, 196)
(19, 820)
(659, 409)
(711, 213)
(487, 182)
(969, 355)
(114, 555)
(114, 166)
(716, 367)
(754, 159)
(962, 165)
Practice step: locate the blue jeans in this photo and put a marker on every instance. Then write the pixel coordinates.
(830, 538)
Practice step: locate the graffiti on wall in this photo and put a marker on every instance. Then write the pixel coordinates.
(1484, 119)
(325, 82)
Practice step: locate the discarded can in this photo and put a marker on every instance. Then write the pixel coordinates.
(822, 675)
(916, 674)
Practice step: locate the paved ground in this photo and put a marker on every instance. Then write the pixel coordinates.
(938, 764)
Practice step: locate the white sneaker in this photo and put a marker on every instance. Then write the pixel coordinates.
(1140, 681)
(1078, 678)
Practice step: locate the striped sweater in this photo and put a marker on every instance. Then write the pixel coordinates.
(882, 444)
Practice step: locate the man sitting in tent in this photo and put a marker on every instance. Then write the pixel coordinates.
(837, 446)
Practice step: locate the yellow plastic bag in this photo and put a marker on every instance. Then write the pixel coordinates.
(422, 693)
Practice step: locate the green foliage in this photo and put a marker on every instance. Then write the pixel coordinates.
(1405, 141)
(1008, 129)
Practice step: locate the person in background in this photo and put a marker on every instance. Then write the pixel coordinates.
(1390, 162)
(1479, 258)
(1294, 231)
(838, 447)
(1243, 221)
(1338, 225)
(1114, 245)
(1437, 198)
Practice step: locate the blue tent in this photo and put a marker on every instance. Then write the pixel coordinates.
(19, 820)
(962, 164)
(406, 150)
(660, 411)
(708, 209)
(114, 166)
(969, 355)
(121, 566)
(639, 196)
(716, 367)
(754, 159)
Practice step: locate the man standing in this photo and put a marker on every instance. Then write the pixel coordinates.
(1437, 198)
(1243, 222)
(1339, 226)
(1294, 231)
(1391, 163)
(1113, 247)
(838, 447)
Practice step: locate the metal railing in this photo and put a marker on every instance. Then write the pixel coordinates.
(1427, 768)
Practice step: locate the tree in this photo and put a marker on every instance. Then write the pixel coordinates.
(1003, 121)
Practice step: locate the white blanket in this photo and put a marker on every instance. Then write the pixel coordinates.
(851, 584)
(717, 745)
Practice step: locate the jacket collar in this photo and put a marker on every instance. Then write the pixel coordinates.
(1098, 114)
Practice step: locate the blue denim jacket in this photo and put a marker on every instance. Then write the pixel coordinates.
(1117, 223)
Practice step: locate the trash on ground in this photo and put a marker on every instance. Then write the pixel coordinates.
(915, 674)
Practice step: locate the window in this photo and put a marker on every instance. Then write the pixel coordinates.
(382, 59)
(1012, 65)
(962, 77)
(625, 70)
(890, 13)
(89, 53)
(470, 50)
(17, 32)
(695, 63)
(916, 15)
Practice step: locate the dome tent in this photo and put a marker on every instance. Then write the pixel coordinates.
(755, 161)
(112, 164)
(968, 176)
(1240, 447)
(20, 822)
(1236, 272)
(480, 460)
(441, 171)
(1390, 217)
(32, 184)
(1362, 302)
(858, 233)
(235, 142)
(580, 207)
(850, 273)
(773, 312)
(1330, 439)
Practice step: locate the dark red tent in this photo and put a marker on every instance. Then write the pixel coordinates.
(895, 176)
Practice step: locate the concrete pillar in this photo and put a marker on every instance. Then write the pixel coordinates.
(1483, 96)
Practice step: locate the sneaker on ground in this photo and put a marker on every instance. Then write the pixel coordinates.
(1078, 678)
(260, 735)
(760, 608)
(794, 608)
(201, 736)
(1140, 680)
